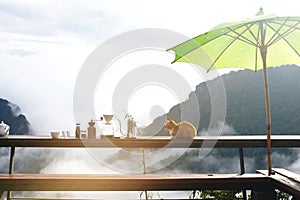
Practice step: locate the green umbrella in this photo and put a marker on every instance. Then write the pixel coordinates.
(265, 40)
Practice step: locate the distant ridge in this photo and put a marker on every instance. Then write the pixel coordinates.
(10, 114)
(246, 102)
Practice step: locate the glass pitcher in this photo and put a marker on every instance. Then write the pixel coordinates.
(111, 127)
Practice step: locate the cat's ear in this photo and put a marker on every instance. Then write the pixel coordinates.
(166, 122)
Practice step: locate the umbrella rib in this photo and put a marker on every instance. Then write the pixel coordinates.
(194, 39)
(256, 52)
(287, 25)
(290, 30)
(291, 46)
(202, 44)
(243, 38)
(255, 37)
(246, 41)
(221, 54)
(280, 36)
(236, 38)
(270, 42)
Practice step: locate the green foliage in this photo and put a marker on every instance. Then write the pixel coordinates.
(143, 194)
(282, 195)
(216, 194)
(230, 195)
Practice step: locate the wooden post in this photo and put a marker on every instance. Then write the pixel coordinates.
(268, 119)
(11, 167)
(242, 164)
(263, 53)
(11, 161)
(242, 168)
(1, 195)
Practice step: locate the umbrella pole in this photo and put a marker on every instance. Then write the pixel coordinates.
(268, 114)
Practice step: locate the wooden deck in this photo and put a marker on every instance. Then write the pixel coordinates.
(130, 182)
(285, 180)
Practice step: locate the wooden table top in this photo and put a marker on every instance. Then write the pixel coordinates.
(278, 141)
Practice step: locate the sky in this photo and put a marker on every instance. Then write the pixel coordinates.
(44, 45)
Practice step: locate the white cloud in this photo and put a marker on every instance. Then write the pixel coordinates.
(294, 167)
(57, 18)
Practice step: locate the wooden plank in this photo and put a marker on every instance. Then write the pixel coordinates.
(153, 142)
(284, 183)
(288, 174)
(130, 182)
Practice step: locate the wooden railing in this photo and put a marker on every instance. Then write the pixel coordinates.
(129, 182)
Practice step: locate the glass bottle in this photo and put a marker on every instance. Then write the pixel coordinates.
(77, 132)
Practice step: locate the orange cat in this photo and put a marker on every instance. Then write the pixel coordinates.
(183, 129)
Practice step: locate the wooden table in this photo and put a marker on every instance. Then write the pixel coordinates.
(239, 142)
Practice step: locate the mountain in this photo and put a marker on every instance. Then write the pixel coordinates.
(245, 115)
(245, 103)
(10, 114)
(29, 160)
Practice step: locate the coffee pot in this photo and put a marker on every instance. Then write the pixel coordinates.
(4, 129)
(111, 127)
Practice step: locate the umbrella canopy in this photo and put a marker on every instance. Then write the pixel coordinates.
(238, 44)
(265, 40)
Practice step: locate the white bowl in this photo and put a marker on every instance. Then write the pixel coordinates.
(54, 134)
